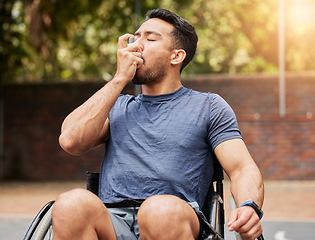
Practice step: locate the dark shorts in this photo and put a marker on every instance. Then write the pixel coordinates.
(126, 226)
(125, 222)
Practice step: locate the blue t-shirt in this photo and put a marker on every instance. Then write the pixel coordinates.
(164, 145)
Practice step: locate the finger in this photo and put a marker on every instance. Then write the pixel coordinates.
(135, 47)
(248, 228)
(236, 226)
(122, 40)
(139, 62)
(129, 56)
(137, 54)
(253, 233)
(138, 58)
(241, 220)
(252, 224)
(232, 218)
(251, 236)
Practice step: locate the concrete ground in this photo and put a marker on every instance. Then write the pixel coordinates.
(289, 207)
(283, 199)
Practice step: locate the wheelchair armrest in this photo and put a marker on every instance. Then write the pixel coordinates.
(92, 180)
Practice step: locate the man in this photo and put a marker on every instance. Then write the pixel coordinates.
(159, 146)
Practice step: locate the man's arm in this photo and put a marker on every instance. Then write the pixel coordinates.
(246, 184)
(88, 125)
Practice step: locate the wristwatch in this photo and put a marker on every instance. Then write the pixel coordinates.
(255, 207)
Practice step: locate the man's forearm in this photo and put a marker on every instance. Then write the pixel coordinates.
(246, 179)
(248, 186)
(84, 127)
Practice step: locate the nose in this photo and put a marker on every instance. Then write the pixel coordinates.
(139, 41)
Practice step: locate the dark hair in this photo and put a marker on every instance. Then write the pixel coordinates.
(184, 34)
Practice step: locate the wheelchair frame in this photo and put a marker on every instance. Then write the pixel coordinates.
(213, 208)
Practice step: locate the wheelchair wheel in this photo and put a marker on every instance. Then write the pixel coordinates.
(41, 227)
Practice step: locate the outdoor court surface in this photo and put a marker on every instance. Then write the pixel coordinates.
(289, 207)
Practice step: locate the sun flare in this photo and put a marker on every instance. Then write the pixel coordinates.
(301, 15)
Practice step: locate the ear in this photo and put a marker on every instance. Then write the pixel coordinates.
(177, 56)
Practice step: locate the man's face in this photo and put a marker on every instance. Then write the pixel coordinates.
(155, 39)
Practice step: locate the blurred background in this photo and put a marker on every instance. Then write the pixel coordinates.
(258, 55)
(75, 40)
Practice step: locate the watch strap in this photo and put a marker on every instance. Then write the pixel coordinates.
(257, 209)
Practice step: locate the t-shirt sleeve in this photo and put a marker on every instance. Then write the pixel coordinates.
(223, 123)
(120, 103)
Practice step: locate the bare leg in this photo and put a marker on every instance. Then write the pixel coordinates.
(79, 214)
(167, 217)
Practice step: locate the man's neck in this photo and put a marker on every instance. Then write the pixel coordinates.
(161, 87)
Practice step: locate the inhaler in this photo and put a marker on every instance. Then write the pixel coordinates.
(131, 40)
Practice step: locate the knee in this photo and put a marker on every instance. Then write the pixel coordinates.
(167, 214)
(80, 214)
(161, 207)
(73, 201)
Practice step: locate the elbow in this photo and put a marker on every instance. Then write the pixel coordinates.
(69, 145)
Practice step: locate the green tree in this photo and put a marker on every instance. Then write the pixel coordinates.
(12, 34)
(74, 39)
(61, 40)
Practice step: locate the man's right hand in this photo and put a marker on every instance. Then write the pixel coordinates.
(128, 58)
(88, 125)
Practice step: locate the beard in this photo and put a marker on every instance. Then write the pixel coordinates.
(149, 75)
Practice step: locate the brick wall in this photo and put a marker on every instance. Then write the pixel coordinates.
(282, 147)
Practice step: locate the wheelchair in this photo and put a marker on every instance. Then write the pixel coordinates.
(213, 209)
